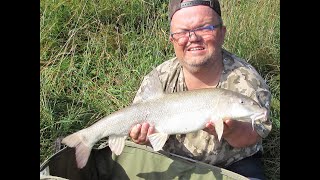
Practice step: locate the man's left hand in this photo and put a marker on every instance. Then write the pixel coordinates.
(238, 134)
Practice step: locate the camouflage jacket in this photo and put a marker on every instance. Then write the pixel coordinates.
(238, 76)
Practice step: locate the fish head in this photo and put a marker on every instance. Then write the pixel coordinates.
(246, 108)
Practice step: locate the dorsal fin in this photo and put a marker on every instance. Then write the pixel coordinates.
(151, 87)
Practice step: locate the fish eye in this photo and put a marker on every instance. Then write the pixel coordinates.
(241, 101)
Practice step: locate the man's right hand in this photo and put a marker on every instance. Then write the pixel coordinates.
(139, 133)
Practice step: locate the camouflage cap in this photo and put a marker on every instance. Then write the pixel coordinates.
(175, 5)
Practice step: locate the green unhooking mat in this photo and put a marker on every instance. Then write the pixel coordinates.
(135, 162)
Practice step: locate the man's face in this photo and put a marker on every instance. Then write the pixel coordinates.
(198, 51)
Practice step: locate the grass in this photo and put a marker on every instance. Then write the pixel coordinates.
(94, 54)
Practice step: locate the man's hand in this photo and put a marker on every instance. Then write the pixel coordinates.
(140, 132)
(238, 134)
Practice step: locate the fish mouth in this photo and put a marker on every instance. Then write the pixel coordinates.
(259, 115)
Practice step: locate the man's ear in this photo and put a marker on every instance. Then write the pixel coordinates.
(223, 33)
(224, 30)
(170, 38)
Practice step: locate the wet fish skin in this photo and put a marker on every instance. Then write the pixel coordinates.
(176, 113)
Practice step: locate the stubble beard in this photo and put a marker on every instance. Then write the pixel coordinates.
(196, 64)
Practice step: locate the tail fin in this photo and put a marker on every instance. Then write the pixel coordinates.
(82, 149)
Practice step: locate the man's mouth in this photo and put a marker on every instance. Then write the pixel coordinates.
(196, 49)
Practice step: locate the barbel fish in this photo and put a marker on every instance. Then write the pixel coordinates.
(173, 113)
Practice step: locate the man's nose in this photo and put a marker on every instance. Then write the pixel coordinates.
(193, 36)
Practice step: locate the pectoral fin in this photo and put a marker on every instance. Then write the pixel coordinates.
(116, 144)
(218, 125)
(158, 140)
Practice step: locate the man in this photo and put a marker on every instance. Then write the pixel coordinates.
(197, 34)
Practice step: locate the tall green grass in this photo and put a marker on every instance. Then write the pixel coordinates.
(94, 54)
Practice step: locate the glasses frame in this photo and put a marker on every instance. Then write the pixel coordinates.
(210, 27)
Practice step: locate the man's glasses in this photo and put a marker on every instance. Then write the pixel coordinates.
(183, 37)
